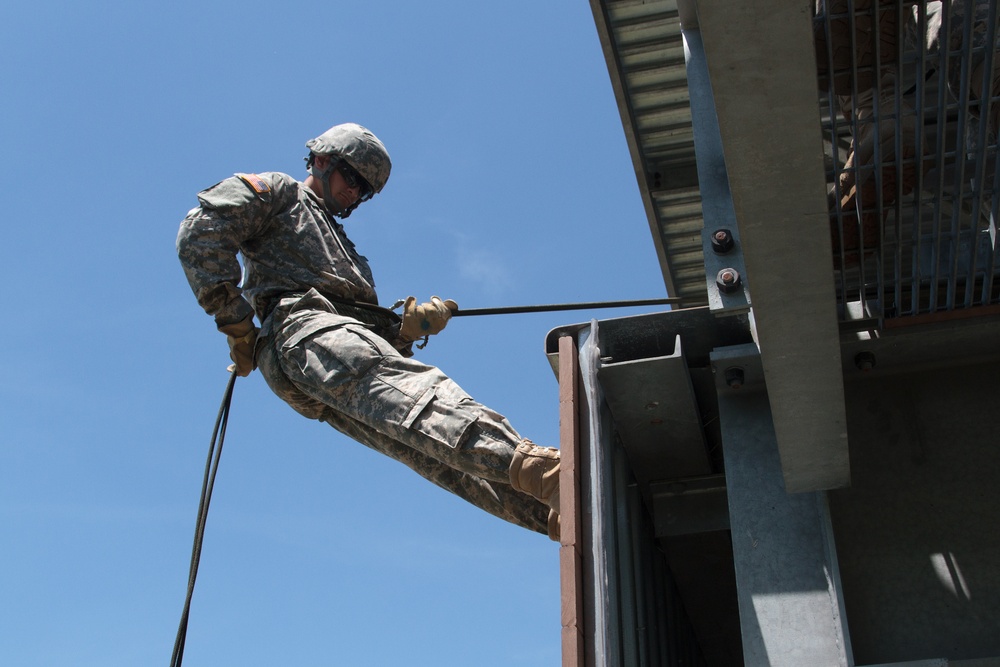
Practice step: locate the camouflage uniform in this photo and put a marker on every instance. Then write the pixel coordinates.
(333, 362)
(977, 23)
(926, 34)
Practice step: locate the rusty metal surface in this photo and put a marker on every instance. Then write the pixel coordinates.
(570, 548)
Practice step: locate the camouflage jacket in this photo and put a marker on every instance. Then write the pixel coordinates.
(288, 241)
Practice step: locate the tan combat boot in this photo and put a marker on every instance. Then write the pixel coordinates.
(535, 470)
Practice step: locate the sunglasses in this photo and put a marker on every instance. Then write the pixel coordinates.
(355, 180)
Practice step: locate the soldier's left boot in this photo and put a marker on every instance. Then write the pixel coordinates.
(535, 470)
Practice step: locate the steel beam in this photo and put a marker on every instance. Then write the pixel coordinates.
(765, 101)
(791, 609)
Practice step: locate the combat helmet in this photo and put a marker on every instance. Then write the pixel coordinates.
(361, 150)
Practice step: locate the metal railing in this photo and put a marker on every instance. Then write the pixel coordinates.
(909, 107)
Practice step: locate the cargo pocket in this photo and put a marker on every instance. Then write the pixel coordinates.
(440, 420)
(330, 353)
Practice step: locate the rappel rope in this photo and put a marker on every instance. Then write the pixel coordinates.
(215, 453)
(553, 307)
(211, 468)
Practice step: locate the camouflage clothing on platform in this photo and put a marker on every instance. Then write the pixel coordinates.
(348, 370)
(968, 31)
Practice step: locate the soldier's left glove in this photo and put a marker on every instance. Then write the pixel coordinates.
(425, 319)
(242, 337)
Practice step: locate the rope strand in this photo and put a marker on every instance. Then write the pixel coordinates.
(208, 483)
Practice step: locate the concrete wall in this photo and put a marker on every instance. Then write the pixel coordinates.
(918, 532)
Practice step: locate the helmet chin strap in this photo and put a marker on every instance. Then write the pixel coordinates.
(324, 177)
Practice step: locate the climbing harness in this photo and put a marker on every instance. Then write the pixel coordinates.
(211, 468)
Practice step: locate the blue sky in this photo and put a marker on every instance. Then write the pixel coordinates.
(511, 185)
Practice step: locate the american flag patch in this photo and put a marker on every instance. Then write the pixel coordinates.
(255, 182)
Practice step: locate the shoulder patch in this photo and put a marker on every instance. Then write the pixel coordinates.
(257, 184)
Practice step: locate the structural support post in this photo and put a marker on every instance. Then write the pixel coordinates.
(760, 82)
(786, 575)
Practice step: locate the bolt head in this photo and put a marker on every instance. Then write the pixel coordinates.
(722, 241)
(728, 280)
(864, 361)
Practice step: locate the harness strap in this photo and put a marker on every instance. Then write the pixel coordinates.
(385, 322)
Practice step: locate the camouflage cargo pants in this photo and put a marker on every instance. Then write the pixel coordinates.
(335, 369)
(968, 30)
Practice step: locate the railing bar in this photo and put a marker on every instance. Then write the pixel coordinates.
(833, 107)
(994, 212)
(960, 153)
(915, 276)
(877, 163)
(986, 112)
(944, 56)
(852, 31)
(985, 104)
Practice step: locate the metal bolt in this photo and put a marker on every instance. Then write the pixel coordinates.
(722, 241)
(865, 361)
(728, 280)
(734, 377)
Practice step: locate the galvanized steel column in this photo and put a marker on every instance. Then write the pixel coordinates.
(791, 610)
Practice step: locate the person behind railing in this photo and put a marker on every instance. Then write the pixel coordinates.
(874, 98)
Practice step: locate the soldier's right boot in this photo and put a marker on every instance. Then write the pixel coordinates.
(859, 186)
(535, 470)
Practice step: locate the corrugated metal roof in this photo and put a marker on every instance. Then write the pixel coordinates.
(645, 54)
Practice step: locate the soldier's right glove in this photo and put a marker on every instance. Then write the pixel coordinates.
(425, 319)
(242, 337)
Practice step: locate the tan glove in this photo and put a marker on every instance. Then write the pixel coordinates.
(242, 337)
(425, 319)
